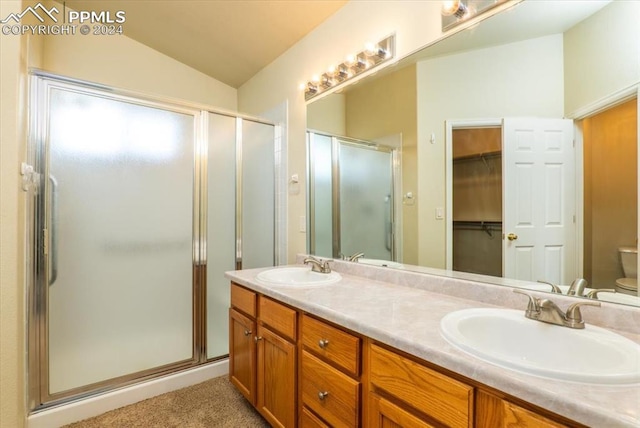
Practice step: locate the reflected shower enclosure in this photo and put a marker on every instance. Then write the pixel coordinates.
(135, 215)
(351, 197)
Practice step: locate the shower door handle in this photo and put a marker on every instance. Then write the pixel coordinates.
(53, 233)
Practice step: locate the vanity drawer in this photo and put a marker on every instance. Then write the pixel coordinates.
(333, 344)
(441, 397)
(309, 420)
(277, 316)
(243, 300)
(330, 393)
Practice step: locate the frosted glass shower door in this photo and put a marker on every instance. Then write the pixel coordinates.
(221, 232)
(258, 194)
(320, 195)
(119, 216)
(366, 201)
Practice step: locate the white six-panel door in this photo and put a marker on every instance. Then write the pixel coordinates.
(539, 185)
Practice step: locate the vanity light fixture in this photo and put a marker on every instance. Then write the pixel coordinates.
(372, 56)
(455, 12)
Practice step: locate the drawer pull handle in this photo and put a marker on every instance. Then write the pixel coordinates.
(257, 338)
(247, 332)
(323, 343)
(322, 395)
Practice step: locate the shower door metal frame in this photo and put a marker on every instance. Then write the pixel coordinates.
(336, 141)
(37, 225)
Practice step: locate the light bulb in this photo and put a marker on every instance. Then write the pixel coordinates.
(453, 7)
(351, 60)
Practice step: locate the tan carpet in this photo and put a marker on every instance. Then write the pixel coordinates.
(214, 403)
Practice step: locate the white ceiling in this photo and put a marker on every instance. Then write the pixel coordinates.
(229, 40)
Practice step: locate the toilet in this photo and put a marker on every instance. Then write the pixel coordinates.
(629, 259)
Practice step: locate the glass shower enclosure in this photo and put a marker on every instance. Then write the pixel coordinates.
(134, 219)
(351, 197)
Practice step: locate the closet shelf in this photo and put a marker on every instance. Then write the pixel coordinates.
(487, 155)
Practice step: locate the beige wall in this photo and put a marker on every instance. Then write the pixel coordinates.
(16, 52)
(602, 55)
(328, 115)
(383, 107)
(122, 62)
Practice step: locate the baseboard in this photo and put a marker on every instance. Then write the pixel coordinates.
(83, 409)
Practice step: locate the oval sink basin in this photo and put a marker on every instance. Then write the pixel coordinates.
(506, 338)
(297, 276)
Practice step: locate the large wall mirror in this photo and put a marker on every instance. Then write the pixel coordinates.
(453, 122)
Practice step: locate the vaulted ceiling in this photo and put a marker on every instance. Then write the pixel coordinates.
(229, 40)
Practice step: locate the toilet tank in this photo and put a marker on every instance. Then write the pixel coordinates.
(629, 259)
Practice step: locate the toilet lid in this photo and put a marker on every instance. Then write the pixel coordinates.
(627, 283)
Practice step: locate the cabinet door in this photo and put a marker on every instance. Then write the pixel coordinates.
(276, 395)
(384, 414)
(242, 354)
(494, 412)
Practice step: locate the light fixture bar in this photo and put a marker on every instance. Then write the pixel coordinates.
(372, 56)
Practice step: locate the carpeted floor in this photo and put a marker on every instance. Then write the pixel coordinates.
(214, 403)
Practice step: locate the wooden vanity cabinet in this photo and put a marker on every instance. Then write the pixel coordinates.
(263, 354)
(321, 375)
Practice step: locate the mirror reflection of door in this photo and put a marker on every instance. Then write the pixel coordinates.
(539, 200)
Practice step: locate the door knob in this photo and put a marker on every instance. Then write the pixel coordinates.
(512, 237)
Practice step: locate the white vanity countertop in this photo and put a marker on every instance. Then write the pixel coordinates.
(407, 317)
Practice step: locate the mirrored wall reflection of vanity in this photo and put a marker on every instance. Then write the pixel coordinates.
(557, 60)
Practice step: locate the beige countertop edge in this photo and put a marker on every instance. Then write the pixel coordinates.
(408, 319)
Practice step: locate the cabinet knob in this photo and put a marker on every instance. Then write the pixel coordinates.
(512, 237)
(247, 332)
(323, 343)
(257, 338)
(322, 395)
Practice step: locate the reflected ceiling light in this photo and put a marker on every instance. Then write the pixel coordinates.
(373, 55)
(456, 11)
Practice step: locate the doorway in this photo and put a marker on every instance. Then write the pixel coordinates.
(610, 140)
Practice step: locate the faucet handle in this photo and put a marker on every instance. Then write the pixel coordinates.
(593, 294)
(534, 303)
(574, 316)
(554, 288)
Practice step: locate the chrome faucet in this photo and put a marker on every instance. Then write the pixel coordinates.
(317, 265)
(546, 311)
(577, 287)
(353, 258)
